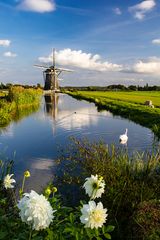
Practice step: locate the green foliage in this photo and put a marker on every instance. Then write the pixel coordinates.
(18, 103)
(65, 225)
(114, 87)
(130, 180)
(145, 221)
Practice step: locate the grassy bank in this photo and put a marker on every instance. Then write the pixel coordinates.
(17, 103)
(132, 185)
(127, 104)
(131, 196)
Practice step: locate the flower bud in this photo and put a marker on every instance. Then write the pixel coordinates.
(48, 191)
(100, 178)
(54, 189)
(27, 174)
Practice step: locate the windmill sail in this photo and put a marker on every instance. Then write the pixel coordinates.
(53, 57)
(51, 74)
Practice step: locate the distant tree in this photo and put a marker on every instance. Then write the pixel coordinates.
(2, 86)
(9, 85)
(39, 85)
(132, 87)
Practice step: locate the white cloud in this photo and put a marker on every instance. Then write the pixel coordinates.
(40, 6)
(156, 41)
(117, 11)
(148, 66)
(4, 42)
(140, 10)
(10, 54)
(81, 60)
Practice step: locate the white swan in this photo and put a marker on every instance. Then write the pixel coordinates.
(123, 138)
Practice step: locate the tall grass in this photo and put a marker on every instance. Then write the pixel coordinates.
(130, 180)
(17, 103)
(23, 97)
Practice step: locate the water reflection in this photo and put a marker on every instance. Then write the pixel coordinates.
(69, 116)
(38, 137)
(7, 131)
(41, 173)
(19, 114)
(79, 118)
(42, 164)
(51, 104)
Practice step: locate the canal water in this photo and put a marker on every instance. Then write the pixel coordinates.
(36, 141)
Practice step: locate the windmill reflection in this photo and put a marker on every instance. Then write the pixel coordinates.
(51, 104)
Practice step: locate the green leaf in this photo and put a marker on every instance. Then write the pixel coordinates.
(103, 230)
(3, 235)
(77, 236)
(67, 229)
(109, 228)
(38, 238)
(98, 238)
(96, 232)
(89, 234)
(71, 217)
(107, 235)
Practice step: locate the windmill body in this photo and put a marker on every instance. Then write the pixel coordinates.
(51, 74)
(50, 80)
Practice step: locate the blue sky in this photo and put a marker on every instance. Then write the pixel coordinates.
(105, 42)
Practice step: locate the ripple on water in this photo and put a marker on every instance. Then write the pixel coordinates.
(37, 137)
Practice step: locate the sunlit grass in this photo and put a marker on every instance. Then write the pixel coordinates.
(3, 93)
(131, 97)
(17, 102)
(132, 107)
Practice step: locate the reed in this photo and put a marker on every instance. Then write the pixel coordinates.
(130, 180)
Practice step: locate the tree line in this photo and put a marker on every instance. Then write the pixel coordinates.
(10, 85)
(114, 87)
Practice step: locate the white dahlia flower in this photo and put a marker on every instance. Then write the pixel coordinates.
(94, 186)
(8, 181)
(93, 216)
(35, 210)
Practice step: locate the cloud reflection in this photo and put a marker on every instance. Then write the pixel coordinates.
(7, 131)
(68, 116)
(82, 118)
(42, 164)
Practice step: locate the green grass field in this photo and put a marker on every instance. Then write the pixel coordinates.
(131, 97)
(127, 104)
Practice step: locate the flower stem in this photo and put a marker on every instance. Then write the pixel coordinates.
(14, 197)
(21, 190)
(30, 234)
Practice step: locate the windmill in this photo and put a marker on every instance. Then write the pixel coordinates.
(51, 74)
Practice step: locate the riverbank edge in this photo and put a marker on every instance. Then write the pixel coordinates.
(143, 115)
(10, 108)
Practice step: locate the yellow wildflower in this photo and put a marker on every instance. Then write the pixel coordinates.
(27, 174)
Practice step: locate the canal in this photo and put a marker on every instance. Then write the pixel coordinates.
(36, 141)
